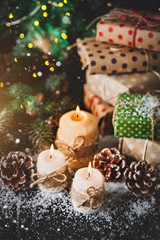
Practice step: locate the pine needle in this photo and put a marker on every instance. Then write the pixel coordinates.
(5, 119)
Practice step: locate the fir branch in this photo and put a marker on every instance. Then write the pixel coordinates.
(5, 119)
(58, 108)
(19, 91)
(33, 103)
(53, 82)
(40, 134)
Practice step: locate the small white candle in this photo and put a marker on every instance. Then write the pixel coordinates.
(82, 181)
(50, 160)
(85, 179)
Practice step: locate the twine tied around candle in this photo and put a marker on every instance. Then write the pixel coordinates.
(80, 152)
(56, 180)
(151, 113)
(91, 199)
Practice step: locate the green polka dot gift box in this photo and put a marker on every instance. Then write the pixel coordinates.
(106, 58)
(137, 116)
(126, 27)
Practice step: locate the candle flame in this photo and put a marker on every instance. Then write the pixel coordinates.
(51, 150)
(77, 111)
(89, 169)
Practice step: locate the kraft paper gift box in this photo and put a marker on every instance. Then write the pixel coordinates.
(138, 116)
(134, 148)
(105, 58)
(103, 111)
(130, 28)
(107, 87)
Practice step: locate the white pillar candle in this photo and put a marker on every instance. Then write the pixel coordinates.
(82, 182)
(49, 160)
(78, 123)
(52, 163)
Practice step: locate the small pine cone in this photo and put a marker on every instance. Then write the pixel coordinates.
(16, 170)
(110, 163)
(141, 178)
(51, 122)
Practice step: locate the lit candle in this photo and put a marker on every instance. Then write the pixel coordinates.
(49, 160)
(76, 124)
(87, 190)
(51, 170)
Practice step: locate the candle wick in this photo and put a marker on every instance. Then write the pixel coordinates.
(77, 116)
(50, 156)
(89, 175)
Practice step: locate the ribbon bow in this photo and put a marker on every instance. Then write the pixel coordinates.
(130, 15)
(50, 180)
(93, 195)
(78, 143)
(123, 13)
(120, 13)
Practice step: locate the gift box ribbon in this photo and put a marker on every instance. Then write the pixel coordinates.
(105, 83)
(153, 110)
(117, 13)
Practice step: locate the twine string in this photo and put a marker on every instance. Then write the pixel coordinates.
(106, 78)
(117, 13)
(144, 151)
(53, 179)
(79, 151)
(91, 198)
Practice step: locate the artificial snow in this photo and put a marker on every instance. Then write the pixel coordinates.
(38, 209)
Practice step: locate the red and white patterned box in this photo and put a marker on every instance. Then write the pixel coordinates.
(130, 29)
(103, 111)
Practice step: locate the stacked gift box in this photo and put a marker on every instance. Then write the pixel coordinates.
(123, 63)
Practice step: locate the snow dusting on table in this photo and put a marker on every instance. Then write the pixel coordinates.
(35, 214)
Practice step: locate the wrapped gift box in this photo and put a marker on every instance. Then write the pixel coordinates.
(134, 148)
(105, 58)
(103, 111)
(138, 116)
(123, 26)
(107, 87)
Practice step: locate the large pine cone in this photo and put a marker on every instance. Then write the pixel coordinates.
(110, 163)
(141, 178)
(16, 170)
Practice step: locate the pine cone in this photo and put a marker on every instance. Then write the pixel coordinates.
(141, 178)
(16, 170)
(110, 163)
(51, 122)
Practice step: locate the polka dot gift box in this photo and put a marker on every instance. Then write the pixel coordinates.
(134, 148)
(103, 111)
(130, 28)
(137, 115)
(105, 58)
(107, 87)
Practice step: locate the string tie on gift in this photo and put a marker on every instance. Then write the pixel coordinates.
(142, 20)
